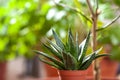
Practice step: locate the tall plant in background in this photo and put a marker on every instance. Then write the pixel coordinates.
(94, 12)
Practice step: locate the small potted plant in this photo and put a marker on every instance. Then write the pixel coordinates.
(69, 58)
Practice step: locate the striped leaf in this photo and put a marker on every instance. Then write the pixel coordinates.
(84, 47)
(51, 58)
(54, 52)
(69, 61)
(71, 44)
(58, 41)
(55, 46)
(87, 63)
(50, 63)
(101, 55)
(77, 47)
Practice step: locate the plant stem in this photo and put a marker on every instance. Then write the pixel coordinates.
(73, 9)
(96, 62)
(94, 43)
(90, 8)
(110, 23)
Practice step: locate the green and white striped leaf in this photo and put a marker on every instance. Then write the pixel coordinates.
(87, 63)
(55, 46)
(69, 61)
(83, 48)
(54, 52)
(51, 58)
(71, 44)
(50, 63)
(58, 41)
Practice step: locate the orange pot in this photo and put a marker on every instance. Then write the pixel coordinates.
(50, 71)
(72, 75)
(2, 70)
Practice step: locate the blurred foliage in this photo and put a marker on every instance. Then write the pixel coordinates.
(111, 37)
(21, 26)
(23, 23)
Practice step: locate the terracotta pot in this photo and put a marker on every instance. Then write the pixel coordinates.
(108, 70)
(103, 78)
(2, 70)
(50, 71)
(72, 75)
(108, 67)
(90, 71)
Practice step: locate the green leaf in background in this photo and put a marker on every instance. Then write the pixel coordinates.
(115, 53)
(117, 2)
(107, 12)
(3, 43)
(77, 3)
(45, 8)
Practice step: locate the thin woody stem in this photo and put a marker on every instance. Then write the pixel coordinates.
(94, 43)
(74, 9)
(90, 8)
(96, 5)
(97, 75)
(96, 62)
(110, 23)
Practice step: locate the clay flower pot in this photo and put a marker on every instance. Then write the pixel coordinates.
(50, 71)
(2, 70)
(72, 74)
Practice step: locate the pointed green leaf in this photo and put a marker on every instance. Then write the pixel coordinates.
(84, 48)
(86, 44)
(71, 44)
(58, 41)
(69, 61)
(88, 59)
(50, 58)
(50, 63)
(55, 46)
(77, 47)
(88, 56)
(101, 55)
(96, 53)
(88, 62)
(81, 49)
(54, 52)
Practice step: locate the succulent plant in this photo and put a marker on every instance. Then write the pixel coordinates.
(69, 55)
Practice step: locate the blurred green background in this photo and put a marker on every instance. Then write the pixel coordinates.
(24, 23)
